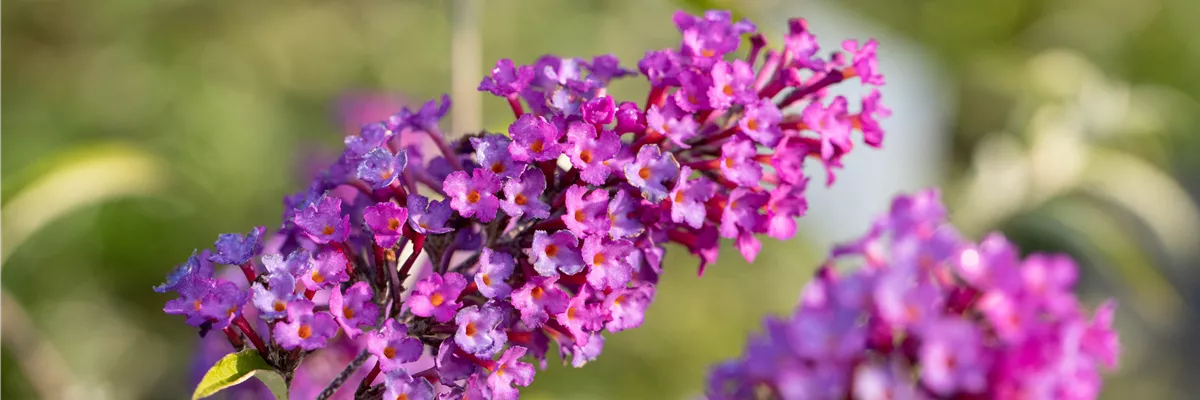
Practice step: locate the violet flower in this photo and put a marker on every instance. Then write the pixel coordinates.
(304, 328)
(392, 346)
(474, 196)
(353, 309)
(650, 172)
(523, 196)
(494, 269)
(437, 296)
(235, 249)
(556, 252)
(386, 221)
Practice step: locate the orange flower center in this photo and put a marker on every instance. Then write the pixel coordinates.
(644, 173)
(728, 90)
(393, 224)
(487, 280)
(280, 306)
(389, 352)
(580, 216)
(571, 313)
(436, 299)
(679, 196)
(473, 196)
(316, 277)
(752, 124)
(598, 259)
(620, 299)
(348, 312)
(585, 156)
(402, 396)
(196, 305)
(497, 167)
(304, 332)
(537, 146)
(470, 329)
(327, 230)
(551, 250)
(728, 163)
(536, 293)
(708, 53)
(520, 199)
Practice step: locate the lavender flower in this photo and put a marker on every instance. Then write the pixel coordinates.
(428, 217)
(479, 330)
(304, 328)
(386, 221)
(523, 196)
(650, 171)
(323, 222)
(353, 309)
(474, 196)
(437, 297)
(392, 346)
(556, 252)
(235, 249)
(379, 168)
(494, 269)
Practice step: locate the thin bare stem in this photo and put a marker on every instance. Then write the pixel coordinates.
(343, 376)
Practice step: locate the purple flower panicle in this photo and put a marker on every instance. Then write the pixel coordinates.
(492, 247)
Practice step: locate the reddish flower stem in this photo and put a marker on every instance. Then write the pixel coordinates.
(435, 134)
(548, 168)
(655, 97)
(515, 103)
(235, 338)
(244, 325)
(704, 165)
(248, 270)
(418, 245)
(430, 374)
(486, 364)
(718, 137)
(832, 78)
(550, 225)
(370, 378)
(757, 42)
(649, 138)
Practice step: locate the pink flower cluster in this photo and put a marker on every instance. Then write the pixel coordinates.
(929, 315)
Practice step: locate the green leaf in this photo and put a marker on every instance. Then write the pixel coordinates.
(236, 368)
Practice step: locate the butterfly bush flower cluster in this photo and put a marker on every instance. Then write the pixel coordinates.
(929, 315)
(454, 267)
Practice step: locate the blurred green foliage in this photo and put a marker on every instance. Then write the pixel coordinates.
(225, 102)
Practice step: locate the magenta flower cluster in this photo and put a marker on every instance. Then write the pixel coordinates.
(929, 315)
(550, 234)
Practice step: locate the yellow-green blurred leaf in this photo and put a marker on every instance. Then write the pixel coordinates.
(76, 179)
(236, 368)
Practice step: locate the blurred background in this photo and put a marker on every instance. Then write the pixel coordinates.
(136, 131)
